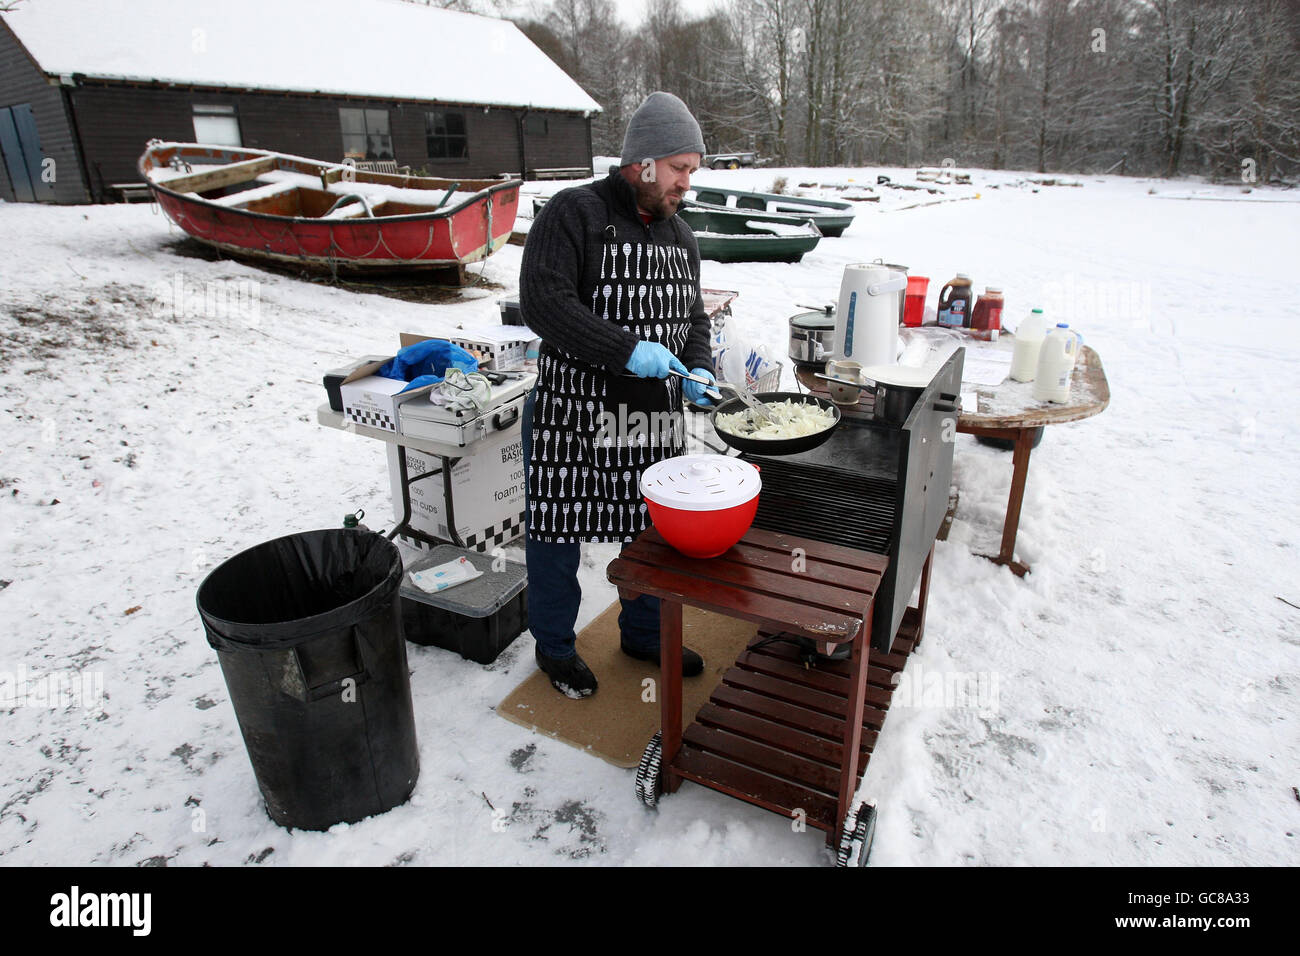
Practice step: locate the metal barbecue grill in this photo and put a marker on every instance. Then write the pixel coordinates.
(873, 486)
(827, 503)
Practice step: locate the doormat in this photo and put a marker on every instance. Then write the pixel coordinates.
(617, 721)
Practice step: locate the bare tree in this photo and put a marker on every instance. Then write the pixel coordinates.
(1193, 44)
(592, 47)
(1253, 128)
(1151, 86)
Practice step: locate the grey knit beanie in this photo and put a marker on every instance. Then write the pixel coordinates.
(661, 126)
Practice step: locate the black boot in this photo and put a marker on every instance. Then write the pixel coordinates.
(571, 676)
(692, 663)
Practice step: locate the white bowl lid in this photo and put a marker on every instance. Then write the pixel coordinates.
(700, 482)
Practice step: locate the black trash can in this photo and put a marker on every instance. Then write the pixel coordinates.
(308, 630)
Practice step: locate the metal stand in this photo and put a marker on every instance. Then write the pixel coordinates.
(404, 526)
(327, 416)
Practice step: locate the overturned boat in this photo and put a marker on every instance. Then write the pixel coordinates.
(326, 216)
(831, 216)
(737, 235)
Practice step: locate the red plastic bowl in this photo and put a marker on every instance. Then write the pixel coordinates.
(703, 534)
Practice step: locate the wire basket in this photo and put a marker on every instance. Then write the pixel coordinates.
(769, 381)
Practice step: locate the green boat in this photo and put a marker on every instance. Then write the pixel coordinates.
(732, 235)
(832, 216)
(743, 235)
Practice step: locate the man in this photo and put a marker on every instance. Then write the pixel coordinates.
(611, 282)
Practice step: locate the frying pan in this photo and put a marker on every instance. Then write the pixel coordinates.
(775, 446)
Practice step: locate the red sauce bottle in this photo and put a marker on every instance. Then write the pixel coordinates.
(986, 317)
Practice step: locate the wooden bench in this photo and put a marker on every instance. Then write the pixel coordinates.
(132, 192)
(383, 166)
(561, 172)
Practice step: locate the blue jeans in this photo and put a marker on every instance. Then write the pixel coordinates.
(553, 591)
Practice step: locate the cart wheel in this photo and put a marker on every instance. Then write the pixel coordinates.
(734, 164)
(649, 779)
(855, 841)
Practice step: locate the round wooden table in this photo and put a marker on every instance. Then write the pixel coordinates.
(1009, 411)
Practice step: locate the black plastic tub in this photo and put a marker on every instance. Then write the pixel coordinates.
(478, 619)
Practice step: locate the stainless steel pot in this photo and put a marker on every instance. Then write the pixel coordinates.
(895, 389)
(812, 336)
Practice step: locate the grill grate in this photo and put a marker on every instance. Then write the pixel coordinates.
(826, 504)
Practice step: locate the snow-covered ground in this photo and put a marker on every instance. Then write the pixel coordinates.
(1140, 686)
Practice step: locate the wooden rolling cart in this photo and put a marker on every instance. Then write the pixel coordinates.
(786, 729)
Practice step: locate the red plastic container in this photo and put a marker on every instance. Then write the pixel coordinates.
(701, 504)
(703, 534)
(914, 305)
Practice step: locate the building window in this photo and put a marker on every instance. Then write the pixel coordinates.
(366, 134)
(536, 124)
(217, 125)
(445, 135)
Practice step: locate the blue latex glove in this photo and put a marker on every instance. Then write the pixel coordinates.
(652, 360)
(694, 391)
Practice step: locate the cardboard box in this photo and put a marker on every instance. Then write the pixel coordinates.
(500, 349)
(372, 401)
(487, 492)
(335, 377)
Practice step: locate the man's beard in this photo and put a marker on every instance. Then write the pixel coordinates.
(658, 203)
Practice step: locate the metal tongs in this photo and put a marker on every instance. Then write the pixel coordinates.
(757, 408)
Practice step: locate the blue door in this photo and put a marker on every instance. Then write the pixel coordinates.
(21, 146)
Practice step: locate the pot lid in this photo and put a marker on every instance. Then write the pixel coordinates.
(700, 482)
(813, 320)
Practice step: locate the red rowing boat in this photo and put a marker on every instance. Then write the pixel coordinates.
(327, 216)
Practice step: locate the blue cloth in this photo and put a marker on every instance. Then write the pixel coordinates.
(426, 363)
(554, 594)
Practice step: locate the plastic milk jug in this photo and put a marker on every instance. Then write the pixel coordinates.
(1029, 338)
(1055, 363)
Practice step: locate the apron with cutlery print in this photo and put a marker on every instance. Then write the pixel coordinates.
(595, 431)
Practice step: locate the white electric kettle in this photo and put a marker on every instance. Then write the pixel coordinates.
(866, 322)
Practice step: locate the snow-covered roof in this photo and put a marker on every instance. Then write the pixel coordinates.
(381, 48)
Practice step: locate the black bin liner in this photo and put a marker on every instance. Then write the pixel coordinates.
(308, 630)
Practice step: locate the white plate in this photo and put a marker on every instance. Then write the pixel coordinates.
(906, 375)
